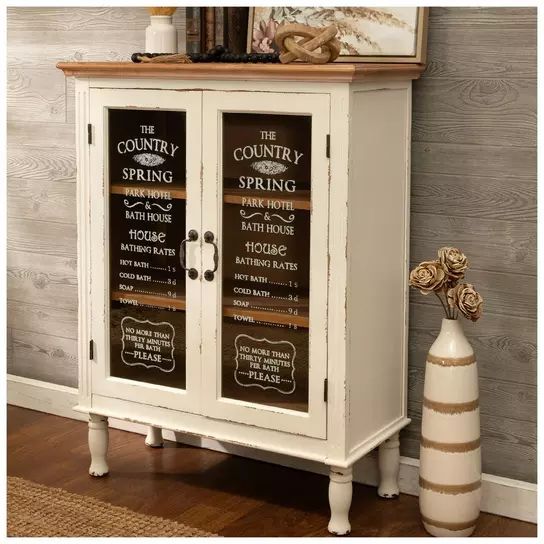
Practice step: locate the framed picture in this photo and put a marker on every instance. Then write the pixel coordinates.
(366, 34)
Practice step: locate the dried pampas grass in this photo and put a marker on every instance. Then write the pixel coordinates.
(161, 11)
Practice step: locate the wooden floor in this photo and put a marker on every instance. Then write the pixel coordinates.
(205, 489)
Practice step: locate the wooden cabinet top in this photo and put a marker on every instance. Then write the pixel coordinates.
(335, 72)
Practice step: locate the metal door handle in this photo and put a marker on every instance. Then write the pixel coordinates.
(192, 235)
(209, 239)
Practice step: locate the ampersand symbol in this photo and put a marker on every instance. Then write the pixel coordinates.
(315, 45)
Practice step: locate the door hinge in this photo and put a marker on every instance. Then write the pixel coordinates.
(328, 146)
(91, 350)
(326, 390)
(89, 133)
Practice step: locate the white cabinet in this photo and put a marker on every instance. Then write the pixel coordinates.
(243, 249)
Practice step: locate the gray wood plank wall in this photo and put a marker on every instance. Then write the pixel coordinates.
(42, 264)
(473, 185)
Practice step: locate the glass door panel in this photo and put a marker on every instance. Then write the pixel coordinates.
(147, 226)
(266, 258)
(147, 183)
(265, 351)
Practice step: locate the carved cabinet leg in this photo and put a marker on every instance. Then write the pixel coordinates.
(154, 437)
(340, 491)
(389, 465)
(98, 444)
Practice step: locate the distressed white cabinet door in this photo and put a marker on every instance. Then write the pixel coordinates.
(265, 225)
(145, 159)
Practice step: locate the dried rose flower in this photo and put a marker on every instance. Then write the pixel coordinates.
(428, 276)
(453, 261)
(467, 299)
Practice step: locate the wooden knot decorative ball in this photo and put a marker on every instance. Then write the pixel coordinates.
(302, 42)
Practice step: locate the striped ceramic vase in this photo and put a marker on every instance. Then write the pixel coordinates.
(450, 459)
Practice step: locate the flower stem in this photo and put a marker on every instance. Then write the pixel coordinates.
(451, 308)
(443, 305)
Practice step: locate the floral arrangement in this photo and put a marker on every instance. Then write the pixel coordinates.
(346, 19)
(263, 37)
(442, 278)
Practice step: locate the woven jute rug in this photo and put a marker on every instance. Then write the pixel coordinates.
(38, 510)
